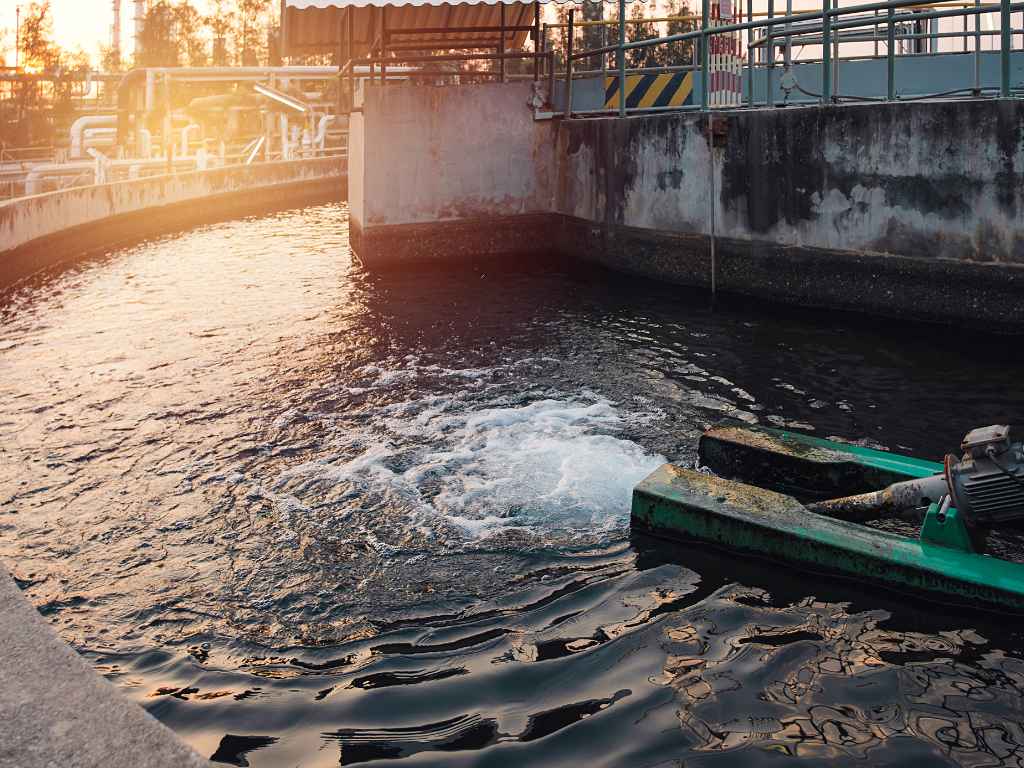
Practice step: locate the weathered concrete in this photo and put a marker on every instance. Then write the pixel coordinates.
(423, 155)
(56, 711)
(913, 209)
(38, 231)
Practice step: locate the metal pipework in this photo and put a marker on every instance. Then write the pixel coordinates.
(889, 502)
(986, 484)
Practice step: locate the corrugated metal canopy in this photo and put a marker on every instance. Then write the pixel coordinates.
(321, 26)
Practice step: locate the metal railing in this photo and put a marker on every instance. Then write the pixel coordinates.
(828, 28)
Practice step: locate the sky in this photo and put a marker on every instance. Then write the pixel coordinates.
(77, 23)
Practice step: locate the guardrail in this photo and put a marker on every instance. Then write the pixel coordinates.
(56, 177)
(828, 28)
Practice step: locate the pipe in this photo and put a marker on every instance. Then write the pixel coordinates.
(88, 121)
(145, 144)
(321, 131)
(191, 127)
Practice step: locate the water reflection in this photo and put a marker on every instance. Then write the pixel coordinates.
(306, 515)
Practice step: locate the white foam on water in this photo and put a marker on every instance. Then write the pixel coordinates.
(555, 465)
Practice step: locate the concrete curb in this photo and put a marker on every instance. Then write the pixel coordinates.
(56, 711)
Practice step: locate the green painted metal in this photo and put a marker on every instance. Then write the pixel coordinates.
(1006, 44)
(826, 53)
(909, 467)
(705, 39)
(946, 529)
(810, 468)
(679, 503)
(620, 58)
(890, 57)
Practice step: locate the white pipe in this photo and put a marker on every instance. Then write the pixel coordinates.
(190, 128)
(88, 121)
(145, 146)
(321, 131)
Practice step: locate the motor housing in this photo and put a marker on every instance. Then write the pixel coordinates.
(987, 482)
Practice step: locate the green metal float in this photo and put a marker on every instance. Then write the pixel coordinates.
(750, 505)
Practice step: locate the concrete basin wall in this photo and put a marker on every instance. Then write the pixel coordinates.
(907, 209)
(56, 711)
(40, 230)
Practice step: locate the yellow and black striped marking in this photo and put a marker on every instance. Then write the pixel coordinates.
(670, 89)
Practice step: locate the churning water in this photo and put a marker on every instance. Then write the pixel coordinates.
(307, 515)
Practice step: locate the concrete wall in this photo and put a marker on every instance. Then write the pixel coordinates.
(926, 180)
(421, 156)
(38, 230)
(912, 209)
(56, 711)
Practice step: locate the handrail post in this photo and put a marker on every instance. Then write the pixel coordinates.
(501, 47)
(568, 67)
(537, 47)
(750, 54)
(977, 50)
(890, 58)
(621, 58)
(770, 50)
(704, 39)
(826, 53)
(1005, 44)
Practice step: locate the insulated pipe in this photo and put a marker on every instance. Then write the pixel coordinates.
(88, 121)
(185, 140)
(321, 131)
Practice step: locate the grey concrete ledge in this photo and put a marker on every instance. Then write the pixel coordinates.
(56, 712)
(41, 230)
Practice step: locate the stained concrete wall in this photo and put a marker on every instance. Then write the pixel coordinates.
(425, 155)
(38, 230)
(907, 209)
(926, 180)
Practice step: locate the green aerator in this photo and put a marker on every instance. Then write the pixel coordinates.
(803, 500)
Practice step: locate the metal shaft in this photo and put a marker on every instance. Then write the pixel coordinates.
(890, 502)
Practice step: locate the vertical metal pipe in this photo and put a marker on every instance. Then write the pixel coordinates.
(384, 44)
(770, 48)
(604, 56)
(1005, 43)
(890, 57)
(537, 46)
(568, 66)
(750, 54)
(876, 34)
(835, 54)
(826, 53)
(501, 47)
(977, 49)
(341, 62)
(705, 13)
(711, 204)
(351, 57)
(621, 58)
(789, 37)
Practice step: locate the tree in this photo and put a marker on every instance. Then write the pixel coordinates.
(158, 44)
(188, 25)
(220, 22)
(640, 30)
(679, 53)
(251, 36)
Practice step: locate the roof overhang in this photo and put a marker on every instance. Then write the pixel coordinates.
(321, 26)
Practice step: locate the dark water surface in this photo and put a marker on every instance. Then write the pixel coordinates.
(309, 516)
